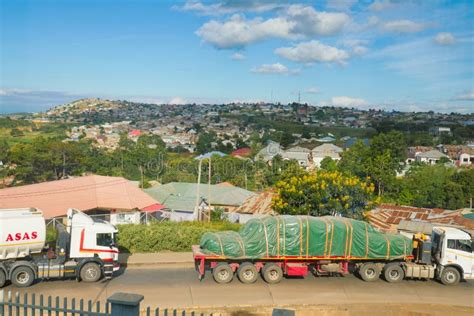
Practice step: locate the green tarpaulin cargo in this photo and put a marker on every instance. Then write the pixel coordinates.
(306, 236)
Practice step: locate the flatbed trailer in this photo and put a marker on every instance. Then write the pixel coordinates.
(430, 260)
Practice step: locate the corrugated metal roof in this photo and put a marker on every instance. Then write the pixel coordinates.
(182, 195)
(258, 204)
(54, 198)
(388, 217)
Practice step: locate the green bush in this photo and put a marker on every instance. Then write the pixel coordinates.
(167, 236)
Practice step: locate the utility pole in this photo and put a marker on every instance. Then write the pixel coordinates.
(299, 97)
(209, 193)
(196, 207)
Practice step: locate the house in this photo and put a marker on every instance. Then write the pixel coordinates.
(325, 150)
(437, 131)
(210, 154)
(241, 152)
(414, 151)
(326, 139)
(112, 198)
(461, 155)
(180, 198)
(300, 154)
(430, 157)
(270, 151)
(393, 218)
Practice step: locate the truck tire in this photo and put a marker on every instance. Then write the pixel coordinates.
(91, 272)
(450, 276)
(247, 273)
(369, 272)
(272, 273)
(3, 278)
(223, 273)
(23, 277)
(393, 272)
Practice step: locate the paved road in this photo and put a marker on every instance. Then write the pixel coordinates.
(178, 287)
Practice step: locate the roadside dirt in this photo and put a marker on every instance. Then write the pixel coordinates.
(342, 310)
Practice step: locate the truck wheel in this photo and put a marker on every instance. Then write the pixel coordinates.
(3, 279)
(369, 272)
(272, 273)
(247, 273)
(90, 272)
(393, 273)
(223, 273)
(23, 277)
(450, 276)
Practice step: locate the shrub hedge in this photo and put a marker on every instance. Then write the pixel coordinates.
(166, 236)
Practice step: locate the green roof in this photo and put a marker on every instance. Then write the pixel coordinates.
(182, 195)
(469, 216)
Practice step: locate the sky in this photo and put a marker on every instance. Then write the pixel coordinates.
(390, 54)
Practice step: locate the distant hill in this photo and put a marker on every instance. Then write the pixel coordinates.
(95, 110)
(86, 105)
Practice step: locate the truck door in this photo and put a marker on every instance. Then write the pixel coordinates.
(459, 252)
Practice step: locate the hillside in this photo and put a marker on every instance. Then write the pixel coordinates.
(96, 110)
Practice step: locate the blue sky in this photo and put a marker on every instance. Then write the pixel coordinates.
(402, 55)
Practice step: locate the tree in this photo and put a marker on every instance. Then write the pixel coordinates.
(324, 193)
(286, 139)
(328, 164)
(306, 134)
(15, 132)
(204, 143)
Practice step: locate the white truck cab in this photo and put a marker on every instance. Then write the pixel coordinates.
(91, 238)
(453, 253)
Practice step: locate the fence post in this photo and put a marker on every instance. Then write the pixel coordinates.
(283, 312)
(125, 304)
(2, 306)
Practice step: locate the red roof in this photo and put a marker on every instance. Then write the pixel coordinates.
(135, 132)
(242, 152)
(54, 198)
(153, 208)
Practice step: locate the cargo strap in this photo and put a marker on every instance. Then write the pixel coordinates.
(366, 240)
(220, 243)
(266, 234)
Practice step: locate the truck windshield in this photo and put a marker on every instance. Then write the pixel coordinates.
(105, 240)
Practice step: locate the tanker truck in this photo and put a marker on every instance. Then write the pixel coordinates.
(85, 248)
(277, 246)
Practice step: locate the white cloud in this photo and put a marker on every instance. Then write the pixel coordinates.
(348, 101)
(309, 22)
(237, 56)
(404, 26)
(276, 68)
(239, 32)
(465, 96)
(228, 7)
(380, 5)
(357, 46)
(313, 51)
(295, 22)
(445, 39)
(177, 100)
(340, 4)
(313, 90)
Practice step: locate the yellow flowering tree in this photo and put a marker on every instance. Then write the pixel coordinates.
(324, 193)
